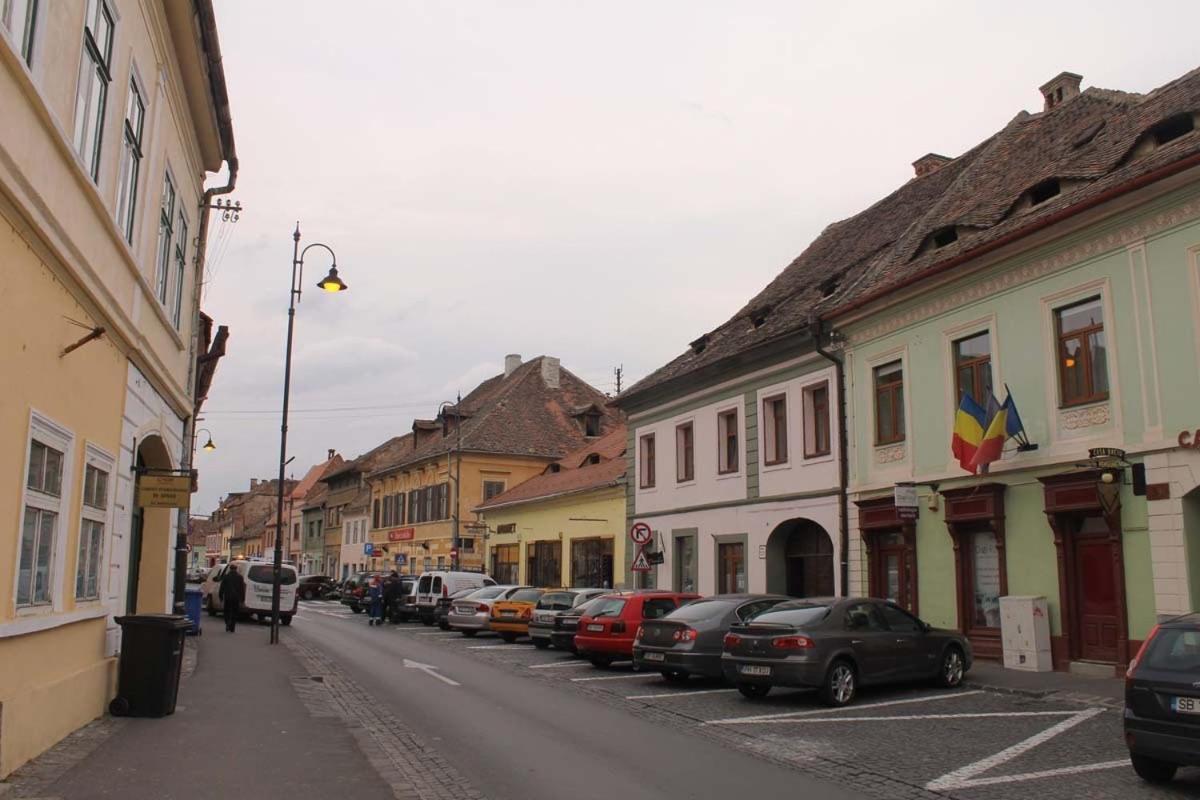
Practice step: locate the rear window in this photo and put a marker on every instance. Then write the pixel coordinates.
(657, 607)
(486, 593)
(588, 606)
(526, 595)
(423, 584)
(437, 584)
(799, 616)
(1175, 650)
(582, 599)
(265, 573)
(556, 601)
(702, 610)
(605, 607)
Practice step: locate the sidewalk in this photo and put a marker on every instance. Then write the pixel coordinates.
(1056, 685)
(240, 730)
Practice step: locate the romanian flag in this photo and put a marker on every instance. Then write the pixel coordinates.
(969, 424)
(1003, 424)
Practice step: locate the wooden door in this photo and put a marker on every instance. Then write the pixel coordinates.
(892, 573)
(1096, 606)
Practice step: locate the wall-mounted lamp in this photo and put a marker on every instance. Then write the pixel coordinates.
(208, 446)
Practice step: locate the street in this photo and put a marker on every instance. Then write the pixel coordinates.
(522, 723)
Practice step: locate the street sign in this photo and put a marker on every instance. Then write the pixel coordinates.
(640, 562)
(640, 533)
(368, 549)
(401, 559)
(164, 491)
(657, 557)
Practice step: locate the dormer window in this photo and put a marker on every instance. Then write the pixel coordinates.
(593, 458)
(1171, 129)
(945, 236)
(699, 345)
(758, 316)
(555, 467)
(1044, 191)
(591, 423)
(830, 286)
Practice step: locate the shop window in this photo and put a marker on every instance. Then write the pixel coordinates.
(591, 563)
(684, 563)
(506, 564)
(731, 567)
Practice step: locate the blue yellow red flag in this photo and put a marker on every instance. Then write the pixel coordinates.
(969, 423)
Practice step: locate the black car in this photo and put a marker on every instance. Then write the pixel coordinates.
(566, 625)
(690, 640)
(442, 608)
(401, 604)
(1162, 700)
(314, 587)
(552, 604)
(836, 644)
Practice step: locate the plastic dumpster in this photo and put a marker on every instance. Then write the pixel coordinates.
(151, 660)
(193, 598)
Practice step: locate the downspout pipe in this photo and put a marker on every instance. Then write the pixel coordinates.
(843, 459)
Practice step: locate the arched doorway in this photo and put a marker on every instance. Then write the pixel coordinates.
(800, 560)
(151, 540)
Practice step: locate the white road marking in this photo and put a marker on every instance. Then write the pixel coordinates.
(1047, 773)
(907, 701)
(437, 633)
(677, 694)
(978, 715)
(964, 776)
(490, 647)
(558, 664)
(619, 677)
(430, 669)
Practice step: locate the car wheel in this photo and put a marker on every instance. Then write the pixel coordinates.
(1152, 770)
(356, 609)
(285, 619)
(754, 691)
(954, 666)
(444, 625)
(508, 636)
(601, 662)
(674, 676)
(840, 684)
(541, 644)
(469, 633)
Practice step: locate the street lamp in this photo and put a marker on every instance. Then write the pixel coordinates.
(208, 446)
(456, 476)
(330, 283)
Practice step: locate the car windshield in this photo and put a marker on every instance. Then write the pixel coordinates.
(1175, 650)
(606, 607)
(526, 595)
(797, 616)
(486, 593)
(556, 601)
(702, 610)
(265, 573)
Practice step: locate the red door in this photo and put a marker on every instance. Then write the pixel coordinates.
(1096, 598)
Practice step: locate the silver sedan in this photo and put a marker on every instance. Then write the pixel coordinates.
(471, 614)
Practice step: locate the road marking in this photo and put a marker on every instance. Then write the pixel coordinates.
(437, 633)
(975, 715)
(1047, 773)
(490, 647)
(677, 694)
(965, 776)
(907, 701)
(618, 677)
(558, 664)
(430, 669)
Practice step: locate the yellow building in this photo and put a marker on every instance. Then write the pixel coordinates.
(113, 113)
(504, 432)
(565, 527)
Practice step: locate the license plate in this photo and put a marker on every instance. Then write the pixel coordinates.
(655, 657)
(753, 669)
(1185, 705)
(507, 613)
(596, 628)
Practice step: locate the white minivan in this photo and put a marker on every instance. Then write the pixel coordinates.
(431, 586)
(258, 575)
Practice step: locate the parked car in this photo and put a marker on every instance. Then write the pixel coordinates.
(473, 613)
(354, 590)
(442, 610)
(566, 624)
(197, 576)
(510, 616)
(403, 604)
(259, 576)
(690, 640)
(314, 587)
(1162, 700)
(432, 585)
(550, 605)
(838, 644)
(606, 632)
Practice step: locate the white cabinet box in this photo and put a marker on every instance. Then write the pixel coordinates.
(1025, 633)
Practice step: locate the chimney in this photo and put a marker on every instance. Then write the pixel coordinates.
(511, 362)
(550, 372)
(254, 483)
(1060, 88)
(929, 164)
(331, 454)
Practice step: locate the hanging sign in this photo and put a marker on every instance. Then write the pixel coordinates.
(906, 501)
(164, 491)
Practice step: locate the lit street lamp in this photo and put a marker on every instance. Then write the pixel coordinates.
(208, 446)
(330, 283)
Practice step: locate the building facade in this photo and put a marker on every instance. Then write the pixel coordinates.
(114, 113)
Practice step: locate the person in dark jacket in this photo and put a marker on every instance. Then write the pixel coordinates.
(233, 588)
(375, 602)
(391, 594)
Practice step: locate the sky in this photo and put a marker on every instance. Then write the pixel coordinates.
(597, 181)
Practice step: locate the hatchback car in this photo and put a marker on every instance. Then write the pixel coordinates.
(473, 613)
(510, 616)
(313, 587)
(690, 640)
(838, 644)
(566, 624)
(606, 632)
(553, 603)
(1162, 700)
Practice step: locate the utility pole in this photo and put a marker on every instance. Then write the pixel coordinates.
(457, 477)
(618, 372)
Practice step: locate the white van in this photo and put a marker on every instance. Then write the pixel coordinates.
(434, 585)
(258, 574)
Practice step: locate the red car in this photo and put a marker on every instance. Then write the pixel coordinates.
(606, 632)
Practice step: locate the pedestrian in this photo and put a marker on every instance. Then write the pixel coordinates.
(233, 588)
(375, 602)
(391, 593)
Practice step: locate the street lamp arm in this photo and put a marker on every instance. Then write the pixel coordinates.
(318, 244)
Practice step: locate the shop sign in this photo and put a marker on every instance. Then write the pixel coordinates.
(164, 491)
(1189, 440)
(905, 498)
(401, 534)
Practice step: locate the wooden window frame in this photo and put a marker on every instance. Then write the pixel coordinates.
(779, 440)
(896, 390)
(977, 365)
(817, 421)
(725, 428)
(1085, 354)
(685, 460)
(648, 464)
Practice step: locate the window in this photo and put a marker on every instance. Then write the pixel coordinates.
(646, 473)
(441, 564)
(657, 607)
(973, 368)
(1044, 191)
(385, 514)
(983, 580)
(945, 236)
(775, 430)
(296, 532)
(427, 505)
(1083, 363)
(91, 533)
(684, 563)
(506, 563)
(889, 403)
(491, 489)
(94, 78)
(376, 514)
(592, 563)
(20, 17)
(413, 506)
(467, 544)
(727, 432)
(731, 567)
(899, 620)
(166, 219)
(591, 424)
(443, 500)
(816, 420)
(131, 161)
(685, 452)
(40, 523)
(864, 617)
(181, 230)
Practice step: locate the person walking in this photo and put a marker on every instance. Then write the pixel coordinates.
(233, 588)
(391, 594)
(375, 602)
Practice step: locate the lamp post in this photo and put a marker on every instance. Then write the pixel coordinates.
(454, 538)
(330, 283)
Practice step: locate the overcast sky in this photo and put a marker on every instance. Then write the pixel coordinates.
(598, 181)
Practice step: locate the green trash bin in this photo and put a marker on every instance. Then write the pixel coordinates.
(150, 664)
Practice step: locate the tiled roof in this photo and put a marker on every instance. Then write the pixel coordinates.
(395, 448)
(516, 415)
(1087, 142)
(314, 474)
(573, 473)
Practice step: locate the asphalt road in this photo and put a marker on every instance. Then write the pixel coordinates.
(519, 738)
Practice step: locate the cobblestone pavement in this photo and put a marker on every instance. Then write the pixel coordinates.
(905, 742)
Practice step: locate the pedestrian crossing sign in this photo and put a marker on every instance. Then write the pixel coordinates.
(640, 562)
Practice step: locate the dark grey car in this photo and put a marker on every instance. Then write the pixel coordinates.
(689, 641)
(550, 605)
(836, 645)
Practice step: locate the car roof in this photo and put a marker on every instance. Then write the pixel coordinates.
(1183, 620)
